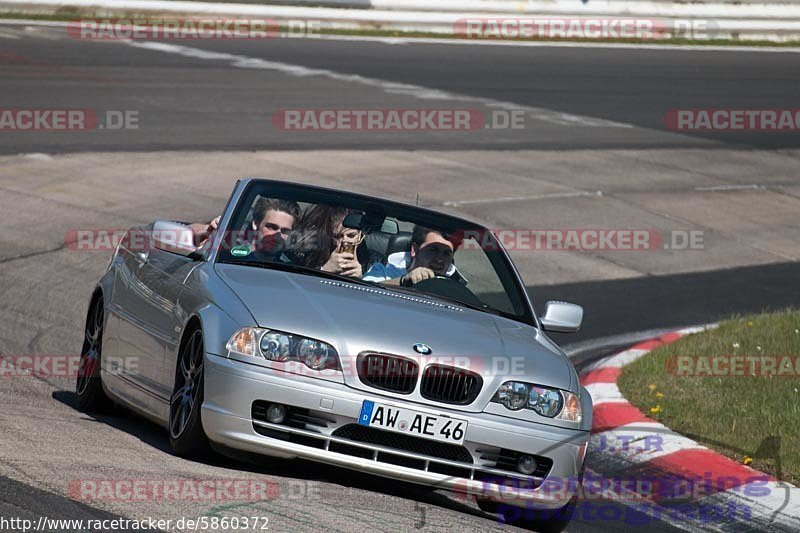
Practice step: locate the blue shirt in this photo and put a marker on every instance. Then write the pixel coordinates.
(396, 265)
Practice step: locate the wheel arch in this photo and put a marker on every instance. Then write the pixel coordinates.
(97, 293)
(192, 324)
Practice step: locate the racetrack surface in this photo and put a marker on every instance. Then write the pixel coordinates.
(593, 154)
(578, 97)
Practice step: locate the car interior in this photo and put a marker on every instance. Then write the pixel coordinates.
(384, 244)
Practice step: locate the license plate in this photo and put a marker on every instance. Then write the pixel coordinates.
(409, 422)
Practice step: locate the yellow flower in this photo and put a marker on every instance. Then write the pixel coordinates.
(747, 460)
(749, 323)
(655, 410)
(651, 387)
(659, 395)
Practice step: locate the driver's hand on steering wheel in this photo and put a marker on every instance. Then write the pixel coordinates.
(416, 275)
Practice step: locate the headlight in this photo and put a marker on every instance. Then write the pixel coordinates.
(317, 355)
(275, 345)
(513, 395)
(546, 402)
(283, 347)
(552, 403)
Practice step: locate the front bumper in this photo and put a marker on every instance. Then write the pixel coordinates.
(232, 387)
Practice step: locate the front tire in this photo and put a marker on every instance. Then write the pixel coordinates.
(88, 386)
(186, 435)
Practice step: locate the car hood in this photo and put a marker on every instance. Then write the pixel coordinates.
(355, 318)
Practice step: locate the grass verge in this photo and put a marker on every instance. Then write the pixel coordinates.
(754, 419)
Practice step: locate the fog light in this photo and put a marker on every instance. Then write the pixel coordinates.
(276, 413)
(526, 465)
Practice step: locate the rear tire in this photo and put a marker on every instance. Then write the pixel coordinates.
(186, 435)
(88, 386)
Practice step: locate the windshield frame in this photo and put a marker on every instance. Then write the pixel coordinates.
(246, 190)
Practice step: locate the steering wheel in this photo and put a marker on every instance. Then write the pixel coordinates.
(448, 288)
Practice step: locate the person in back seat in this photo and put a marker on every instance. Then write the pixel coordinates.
(431, 255)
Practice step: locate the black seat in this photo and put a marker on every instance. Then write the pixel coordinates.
(385, 244)
(377, 243)
(399, 243)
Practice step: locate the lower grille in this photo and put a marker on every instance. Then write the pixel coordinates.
(407, 443)
(388, 372)
(295, 416)
(302, 426)
(448, 384)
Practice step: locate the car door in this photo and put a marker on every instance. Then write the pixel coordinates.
(149, 327)
(162, 277)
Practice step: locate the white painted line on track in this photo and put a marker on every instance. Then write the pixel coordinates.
(390, 87)
(716, 188)
(37, 156)
(566, 44)
(619, 360)
(605, 393)
(578, 348)
(775, 500)
(456, 203)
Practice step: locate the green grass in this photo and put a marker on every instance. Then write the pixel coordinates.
(68, 13)
(747, 416)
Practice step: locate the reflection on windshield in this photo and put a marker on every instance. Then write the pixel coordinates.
(396, 250)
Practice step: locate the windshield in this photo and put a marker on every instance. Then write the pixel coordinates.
(380, 243)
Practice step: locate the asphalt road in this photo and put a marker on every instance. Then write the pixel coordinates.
(593, 124)
(221, 94)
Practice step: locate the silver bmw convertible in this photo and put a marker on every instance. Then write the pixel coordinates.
(350, 330)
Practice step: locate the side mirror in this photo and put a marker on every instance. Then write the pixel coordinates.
(173, 237)
(561, 317)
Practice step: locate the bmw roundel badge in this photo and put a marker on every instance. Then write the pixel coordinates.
(423, 349)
